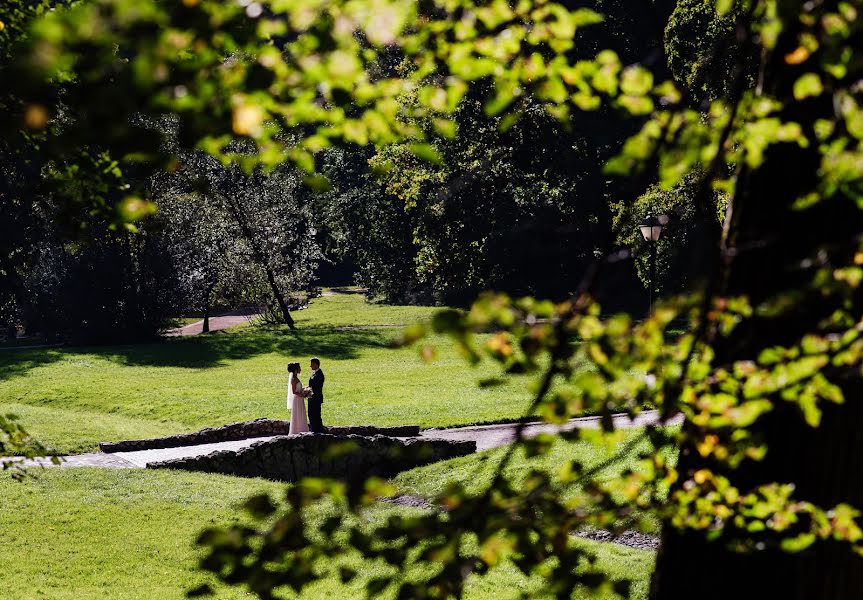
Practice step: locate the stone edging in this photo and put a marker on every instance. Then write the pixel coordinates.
(349, 457)
(246, 430)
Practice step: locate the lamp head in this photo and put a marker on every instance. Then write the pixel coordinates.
(651, 228)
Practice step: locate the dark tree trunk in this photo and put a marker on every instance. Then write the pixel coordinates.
(32, 321)
(207, 295)
(774, 244)
(283, 306)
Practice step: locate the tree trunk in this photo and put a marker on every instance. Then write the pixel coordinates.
(32, 321)
(260, 256)
(773, 245)
(283, 306)
(207, 295)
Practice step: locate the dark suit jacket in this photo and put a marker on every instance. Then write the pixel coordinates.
(316, 382)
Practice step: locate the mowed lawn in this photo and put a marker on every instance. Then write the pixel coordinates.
(91, 533)
(129, 534)
(72, 398)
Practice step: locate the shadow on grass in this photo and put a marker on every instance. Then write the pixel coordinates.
(210, 350)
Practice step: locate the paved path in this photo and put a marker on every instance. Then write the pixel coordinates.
(485, 436)
(223, 321)
(492, 436)
(91, 459)
(140, 458)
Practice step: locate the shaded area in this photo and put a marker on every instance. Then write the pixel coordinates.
(201, 352)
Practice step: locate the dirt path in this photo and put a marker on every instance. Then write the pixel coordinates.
(223, 321)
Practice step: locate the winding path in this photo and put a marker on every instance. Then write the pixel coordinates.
(485, 436)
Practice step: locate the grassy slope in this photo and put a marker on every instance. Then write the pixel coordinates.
(475, 472)
(72, 398)
(90, 533)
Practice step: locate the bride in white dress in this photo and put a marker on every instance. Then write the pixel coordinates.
(296, 400)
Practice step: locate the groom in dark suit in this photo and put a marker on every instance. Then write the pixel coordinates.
(316, 382)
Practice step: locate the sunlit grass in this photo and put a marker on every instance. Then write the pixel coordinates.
(72, 398)
(91, 533)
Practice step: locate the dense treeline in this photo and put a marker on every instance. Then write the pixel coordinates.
(522, 209)
(763, 124)
(527, 209)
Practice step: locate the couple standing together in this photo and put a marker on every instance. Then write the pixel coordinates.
(297, 395)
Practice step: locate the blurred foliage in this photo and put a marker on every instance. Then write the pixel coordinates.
(728, 380)
(16, 442)
(702, 49)
(773, 340)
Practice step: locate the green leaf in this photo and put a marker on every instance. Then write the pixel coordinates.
(636, 81)
(260, 506)
(445, 127)
(808, 85)
(426, 152)
(723, 7)
(318, 183)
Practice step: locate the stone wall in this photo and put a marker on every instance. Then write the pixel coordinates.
(289, 458)
(246, 430)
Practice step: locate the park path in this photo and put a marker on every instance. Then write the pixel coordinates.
(485, 436)
(493, 436)
(234, 317)
(223, 321)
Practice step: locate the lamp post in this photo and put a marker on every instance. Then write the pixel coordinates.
(651, 229)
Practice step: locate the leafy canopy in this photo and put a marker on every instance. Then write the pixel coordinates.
(295, 77)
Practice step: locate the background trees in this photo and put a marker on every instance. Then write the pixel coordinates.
(766, 373)
(253, 230)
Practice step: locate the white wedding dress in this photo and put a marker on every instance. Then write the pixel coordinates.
(297, 406)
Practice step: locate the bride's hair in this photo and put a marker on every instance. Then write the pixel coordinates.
(292, 367)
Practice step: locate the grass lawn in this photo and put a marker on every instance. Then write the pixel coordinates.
(183, 321)
(475, 472)
(72, 398)
(92, 533)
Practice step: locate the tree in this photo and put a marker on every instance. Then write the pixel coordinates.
(703, 49)
(496, 211)
(766, 376)
(204, 248)
(268, 212)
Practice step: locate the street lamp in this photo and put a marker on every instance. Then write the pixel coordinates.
(651, 229)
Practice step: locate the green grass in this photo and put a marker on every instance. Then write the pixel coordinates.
(127, 534)
(351, 310)
(72, 398)
(475, 472)
(87, 533)
(183, 321)
(92, 533)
